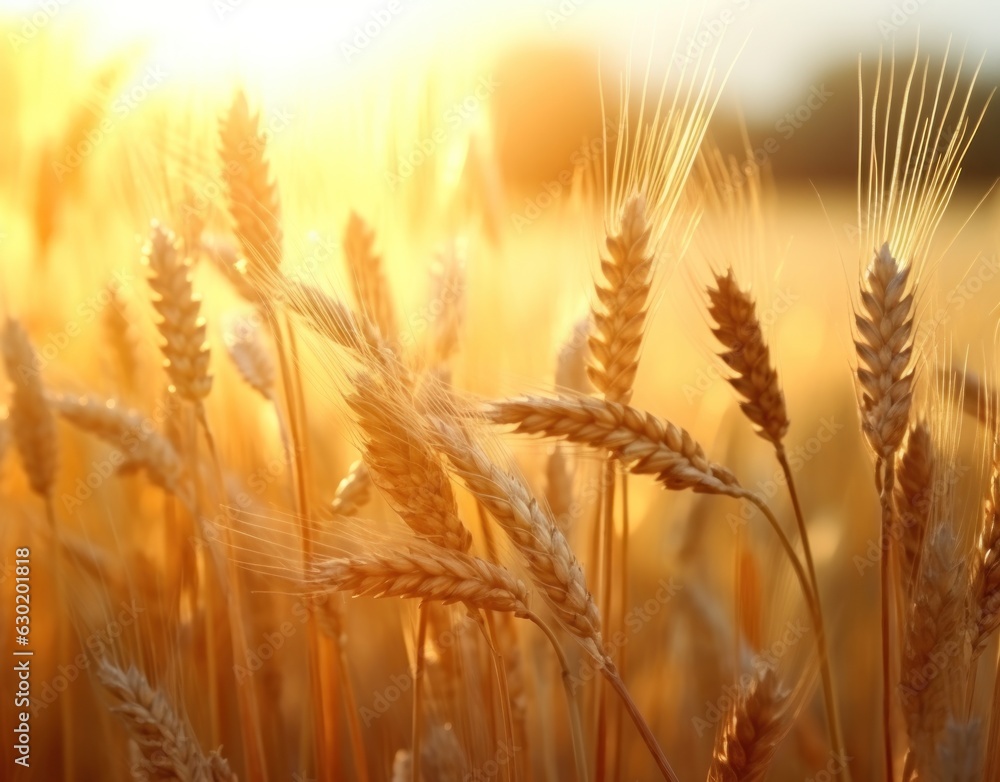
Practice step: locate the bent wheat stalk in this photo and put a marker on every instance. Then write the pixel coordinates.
(647, 445)
(756, 380)
(550, 561)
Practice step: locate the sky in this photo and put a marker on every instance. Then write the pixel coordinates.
(777, 45)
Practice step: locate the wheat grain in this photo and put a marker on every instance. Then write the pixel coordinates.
(181, 325)
(428, 573)
(32, 425)
(747, 354)
(649, 445)
(166, 749)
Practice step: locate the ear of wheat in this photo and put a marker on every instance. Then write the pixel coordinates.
(885, 327)
(253, 196)
(181, 325)
(649, 445)
(985, 579)
(251, 357)
(127, 430)
(371, 288)
(32, 425)
(448, 293)
(929, 690)
(121, 335)
(913, 497)
(747, 354)
(752, 730)
(165, 747)
(330, 318)
(620, 320)
(403, 464)
(428, 573)
(550, 561)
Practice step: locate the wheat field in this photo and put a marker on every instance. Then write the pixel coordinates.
(458, 422)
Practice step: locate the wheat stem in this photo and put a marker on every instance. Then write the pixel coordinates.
(572, 704)
(418, 687)
(826, 676)
(608, 669)
(886, 617)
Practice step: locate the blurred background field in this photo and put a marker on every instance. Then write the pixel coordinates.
(476, 128)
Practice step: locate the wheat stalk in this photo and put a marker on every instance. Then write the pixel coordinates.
(32, 425)
(253, 198)
(181, 325)
(426, 572)
(756, 380)
(166, 750)
(649, 445)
